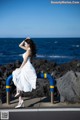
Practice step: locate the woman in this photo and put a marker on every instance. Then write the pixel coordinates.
(25, 77)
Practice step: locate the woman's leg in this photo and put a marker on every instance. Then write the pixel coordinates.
(20, 97)
(21, 102)
(17, 92)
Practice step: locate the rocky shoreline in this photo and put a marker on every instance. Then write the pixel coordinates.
(64, 75)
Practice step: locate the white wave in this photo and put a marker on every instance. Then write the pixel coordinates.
(20, 54)
(57, 56)
(75, 45)
(53, 56)
(56, 42)
(41, 56)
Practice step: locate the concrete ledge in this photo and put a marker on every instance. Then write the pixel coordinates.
(41, 102)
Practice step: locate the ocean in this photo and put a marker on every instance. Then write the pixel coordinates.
(59, 50)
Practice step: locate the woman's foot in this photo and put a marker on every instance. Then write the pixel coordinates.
(20, 104)
(17, 94)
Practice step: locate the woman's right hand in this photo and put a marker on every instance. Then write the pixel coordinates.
(28, 38)
(22, 43)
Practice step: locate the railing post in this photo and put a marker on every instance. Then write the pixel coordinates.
(8, 89)
(40, 75)
(52, 83)
(52, 97)
(8, 97)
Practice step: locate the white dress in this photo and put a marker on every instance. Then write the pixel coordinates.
(25, 78)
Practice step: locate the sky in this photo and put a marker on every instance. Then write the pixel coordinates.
(38, 18)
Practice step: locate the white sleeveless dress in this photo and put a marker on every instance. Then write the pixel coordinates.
(25, 78)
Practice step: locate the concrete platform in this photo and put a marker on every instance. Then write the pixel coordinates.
(41, 102)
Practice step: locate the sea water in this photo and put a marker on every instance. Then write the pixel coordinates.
(59, 50)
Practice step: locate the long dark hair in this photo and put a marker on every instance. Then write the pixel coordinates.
(32, 46)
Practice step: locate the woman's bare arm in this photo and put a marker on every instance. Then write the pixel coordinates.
(21, 45)
(26, 57)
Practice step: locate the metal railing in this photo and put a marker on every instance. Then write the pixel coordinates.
(39, 75)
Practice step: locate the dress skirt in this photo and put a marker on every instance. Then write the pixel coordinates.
(25, 78)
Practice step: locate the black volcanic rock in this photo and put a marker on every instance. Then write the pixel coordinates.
(62, 69)
(45, 66)
(42, 89)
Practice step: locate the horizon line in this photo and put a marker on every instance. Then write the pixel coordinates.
(40, 37)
